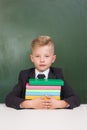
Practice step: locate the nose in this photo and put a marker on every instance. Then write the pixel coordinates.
(41, 59)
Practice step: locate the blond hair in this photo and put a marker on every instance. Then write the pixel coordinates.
(42, 41)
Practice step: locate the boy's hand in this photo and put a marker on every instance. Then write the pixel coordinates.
(38, 103)
(53, 103)
(41, 103)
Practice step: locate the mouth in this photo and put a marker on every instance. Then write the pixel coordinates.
(42, 65)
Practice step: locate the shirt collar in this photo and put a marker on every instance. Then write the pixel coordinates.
(46, 72)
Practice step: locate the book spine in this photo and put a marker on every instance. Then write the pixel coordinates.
(43, 87)
(43, 93)
(36, 91)
(45, 83)
(37, 82)
(34, 97)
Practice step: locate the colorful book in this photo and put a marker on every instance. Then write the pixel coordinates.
(34, 97)
(42, 87)
(46, 82)
(43, 93)
(33, 92)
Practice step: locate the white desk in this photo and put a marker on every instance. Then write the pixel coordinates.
(75, 119)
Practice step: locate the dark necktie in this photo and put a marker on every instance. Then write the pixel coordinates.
(41, 76)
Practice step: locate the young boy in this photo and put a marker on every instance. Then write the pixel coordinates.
(42, 57)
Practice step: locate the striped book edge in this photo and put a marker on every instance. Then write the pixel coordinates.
(44, 90)
(42, 87)
(43, 93)
(34, 97)
(46, 82)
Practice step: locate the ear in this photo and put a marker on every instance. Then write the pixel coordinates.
(31, 57)
(54, 58)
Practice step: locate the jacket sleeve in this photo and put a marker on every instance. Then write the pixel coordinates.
(15, 97)
(68, 94)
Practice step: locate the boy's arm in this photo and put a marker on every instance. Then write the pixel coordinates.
(15, 97)
(67, 93)
(69, 96)
(12, 100)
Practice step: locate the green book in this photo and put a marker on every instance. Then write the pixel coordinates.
(46, 82)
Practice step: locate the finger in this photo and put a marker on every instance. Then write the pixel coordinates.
(42, 98)
(46, 107)
(48, 97)
(48, 101)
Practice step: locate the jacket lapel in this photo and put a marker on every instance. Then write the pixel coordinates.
(32, 73)
(51, 74)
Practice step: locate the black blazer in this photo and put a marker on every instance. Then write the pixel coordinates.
(17, 95)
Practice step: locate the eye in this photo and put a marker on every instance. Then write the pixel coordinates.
(37, 56)
(47, 56)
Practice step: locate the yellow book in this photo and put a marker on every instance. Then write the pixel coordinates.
(34, 97)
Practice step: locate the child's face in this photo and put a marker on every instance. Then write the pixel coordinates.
(42, 57)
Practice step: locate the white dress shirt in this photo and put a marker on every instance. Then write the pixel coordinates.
(46, 72)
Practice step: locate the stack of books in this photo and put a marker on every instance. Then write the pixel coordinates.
(36, 88)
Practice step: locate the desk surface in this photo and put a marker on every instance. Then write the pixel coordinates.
(61, 119)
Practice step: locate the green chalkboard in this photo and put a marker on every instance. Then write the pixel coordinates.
(23, 20)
